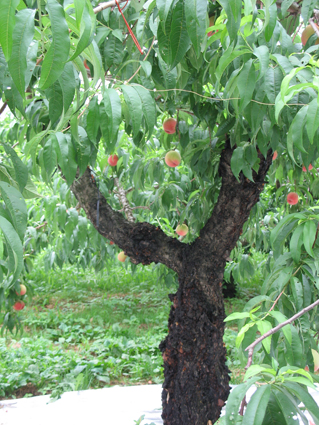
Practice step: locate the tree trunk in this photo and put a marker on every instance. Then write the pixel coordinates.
(196, 378)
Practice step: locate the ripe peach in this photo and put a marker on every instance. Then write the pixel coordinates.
(182, 229)
(23, 290)
(86, 65)
(173, 158)
(274, 155)
(169, 126)
(304, 169)
(307, 32)
(292, 198)
(19, 305)
(112, 160)
(121, 256)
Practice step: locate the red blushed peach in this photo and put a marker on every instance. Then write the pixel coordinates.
(19, 305)
(304, 169)
(274, 155)
(292, 198)
(169, 126)
(23, 290)
(173, 158)
(121, 257)
(307, 32)
(182, 230)
(112, 160)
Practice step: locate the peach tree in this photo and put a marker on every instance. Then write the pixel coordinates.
(89, 87)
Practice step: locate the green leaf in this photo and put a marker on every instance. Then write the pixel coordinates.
(58, 53)
(22, 37)
(233, 11)
(196, 11)
(270, 21)
(256, 408)
(296, 243)
(50, 156)
(234, 400)
(93, 120)
(20, 169)
(66, 156)
(309, 235)
(263, 327)
(14, 248)
(7, 19)
(280, 319)
(179, 39)
(262, 53)
(163, 11)
(55, 97)
(30, 190)
(83, 149)
(237, 161)
(246, 82)
(148, 108)
(304, 396)
(134, 104)
(307, 8)
(174, 48)
(68, 84)
(236, 316)
(312, 119)
(112, 105)
(16, 207)
(85, 18)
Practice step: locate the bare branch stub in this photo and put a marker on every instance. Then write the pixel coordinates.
(105, 5)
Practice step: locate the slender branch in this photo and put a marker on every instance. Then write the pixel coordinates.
(41, 225)
(105, 5)
(251, 347)
(3, 107)
(123, 199)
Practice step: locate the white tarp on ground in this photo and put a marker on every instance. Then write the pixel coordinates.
(107, 406)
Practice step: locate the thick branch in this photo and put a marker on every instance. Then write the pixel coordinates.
(142, 242)
(126, 206)
(235, 201)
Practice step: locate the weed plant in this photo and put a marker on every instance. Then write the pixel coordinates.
(83, 330)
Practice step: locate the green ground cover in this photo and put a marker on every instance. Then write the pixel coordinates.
(83, 330)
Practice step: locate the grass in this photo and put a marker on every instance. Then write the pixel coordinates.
(83, 330)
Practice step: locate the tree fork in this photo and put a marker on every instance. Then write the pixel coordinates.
(196, 382)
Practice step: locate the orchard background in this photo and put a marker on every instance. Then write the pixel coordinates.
(180, 135)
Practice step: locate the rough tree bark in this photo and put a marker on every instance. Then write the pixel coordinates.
(196, 377)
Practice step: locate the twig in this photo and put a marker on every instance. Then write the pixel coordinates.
(297, 31)
(149, 50)
(105, 5)
(41, 225)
